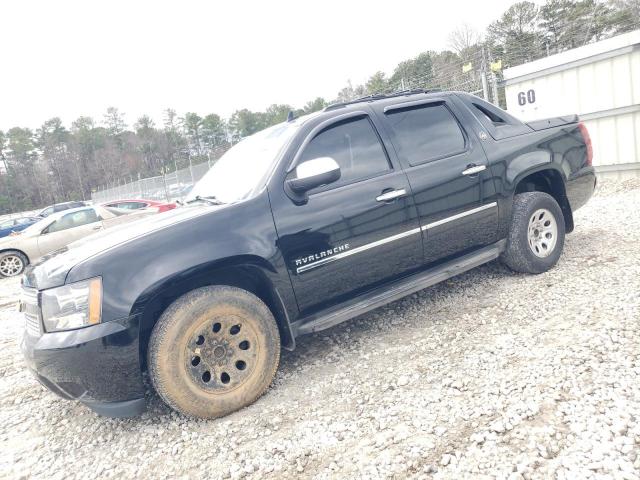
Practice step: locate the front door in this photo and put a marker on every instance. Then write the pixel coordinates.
(355, 233)
(69, 228)
(452, 185)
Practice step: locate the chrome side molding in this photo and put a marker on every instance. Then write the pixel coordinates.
(459, 215)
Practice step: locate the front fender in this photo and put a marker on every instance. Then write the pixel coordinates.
(131, 270)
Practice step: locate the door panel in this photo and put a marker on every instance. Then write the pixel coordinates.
(344, 241)
(354, 233)
(69, 228)
(447, 169)
(452, 212)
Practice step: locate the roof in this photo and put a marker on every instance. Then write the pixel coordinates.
(575, 57)
(379, 96)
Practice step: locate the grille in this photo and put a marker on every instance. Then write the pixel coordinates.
(29, 307)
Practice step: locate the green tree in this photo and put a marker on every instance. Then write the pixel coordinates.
(114, 122)
(377, 83)
(214, 132)
(52, 138)
(516, 31)
(149, 143)
(245, 122)
(173, 141)
(276, 114)
(314, 105)
(192, 125)
(413, 73)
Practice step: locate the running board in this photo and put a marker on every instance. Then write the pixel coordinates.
(406, 286)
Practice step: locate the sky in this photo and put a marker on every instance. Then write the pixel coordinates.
(69, 58)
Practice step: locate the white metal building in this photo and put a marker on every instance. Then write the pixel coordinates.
(601, 83)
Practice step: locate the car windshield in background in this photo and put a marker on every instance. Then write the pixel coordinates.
(37, 227)
(240, 170)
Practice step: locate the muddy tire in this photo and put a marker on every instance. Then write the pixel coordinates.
(536, 235)
(213, 351)
(12, 263)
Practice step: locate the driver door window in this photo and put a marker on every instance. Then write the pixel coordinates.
(355, 146)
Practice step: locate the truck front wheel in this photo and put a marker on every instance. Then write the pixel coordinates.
(213, 351)
(536, 234)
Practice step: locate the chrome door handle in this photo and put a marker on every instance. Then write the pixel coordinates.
(475, 169)
(392, 195)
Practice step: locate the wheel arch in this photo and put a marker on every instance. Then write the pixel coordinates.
(550, 181)
(248, 272)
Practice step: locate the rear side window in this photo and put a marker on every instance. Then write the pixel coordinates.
(425, 132)
(354, 145)
(128, 205)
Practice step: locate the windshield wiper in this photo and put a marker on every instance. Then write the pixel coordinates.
(210, 199)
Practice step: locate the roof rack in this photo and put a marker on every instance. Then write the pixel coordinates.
(379, 96)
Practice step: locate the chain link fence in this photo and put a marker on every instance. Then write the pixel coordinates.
(168, 187)
(176, 185)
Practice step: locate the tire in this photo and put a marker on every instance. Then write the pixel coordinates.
(12, 263)
(534, 245)
(213, 351)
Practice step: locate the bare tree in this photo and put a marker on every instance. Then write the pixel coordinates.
(463, 38)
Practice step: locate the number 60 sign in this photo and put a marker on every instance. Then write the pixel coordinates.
(528, 97)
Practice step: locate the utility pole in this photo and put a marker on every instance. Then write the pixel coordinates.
(485, 89)
(494, 88)
(494, 83)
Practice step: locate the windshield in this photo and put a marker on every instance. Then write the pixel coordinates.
(37, 227)
(239, 171)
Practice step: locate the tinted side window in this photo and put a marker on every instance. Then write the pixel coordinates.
(425, 132)
(355, 145)
(132, 205)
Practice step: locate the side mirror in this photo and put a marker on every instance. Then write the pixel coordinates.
(314, 173)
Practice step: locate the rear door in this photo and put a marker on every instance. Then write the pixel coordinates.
(355, 233)
(447, 169)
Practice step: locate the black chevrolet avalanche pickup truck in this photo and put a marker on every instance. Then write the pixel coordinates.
(295, 229)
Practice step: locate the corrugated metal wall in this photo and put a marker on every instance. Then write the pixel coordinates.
(603, 87)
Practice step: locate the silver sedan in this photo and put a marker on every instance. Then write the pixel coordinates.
(54, 232)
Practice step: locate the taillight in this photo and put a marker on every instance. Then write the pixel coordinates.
(587, 142)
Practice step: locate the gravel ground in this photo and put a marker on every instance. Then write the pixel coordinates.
(489, 375)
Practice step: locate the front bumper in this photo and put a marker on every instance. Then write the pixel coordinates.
(97, 365)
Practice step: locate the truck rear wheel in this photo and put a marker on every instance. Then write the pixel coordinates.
(213, 351)
(536, 235)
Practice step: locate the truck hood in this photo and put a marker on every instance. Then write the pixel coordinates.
(52, 269)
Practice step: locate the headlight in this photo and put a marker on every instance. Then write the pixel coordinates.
(72, 306)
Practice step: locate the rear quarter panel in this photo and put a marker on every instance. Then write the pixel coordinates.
(561, 149)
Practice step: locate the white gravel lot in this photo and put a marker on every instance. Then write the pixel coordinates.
(489, 375)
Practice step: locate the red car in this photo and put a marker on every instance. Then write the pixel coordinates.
(139, 204)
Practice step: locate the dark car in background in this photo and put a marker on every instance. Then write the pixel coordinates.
(59, 207)
(7, 227)
(137, 204)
